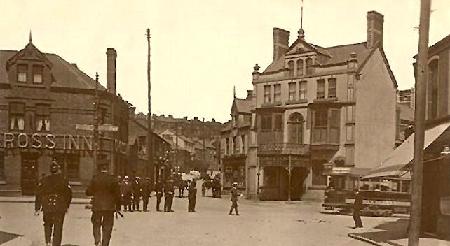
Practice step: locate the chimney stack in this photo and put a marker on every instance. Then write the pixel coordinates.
(374, 29)
(249, 94)
(111, 55)
(280, 42)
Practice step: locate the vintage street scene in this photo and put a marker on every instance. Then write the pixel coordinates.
(238, 122)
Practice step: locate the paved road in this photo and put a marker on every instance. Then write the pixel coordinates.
(260, 223)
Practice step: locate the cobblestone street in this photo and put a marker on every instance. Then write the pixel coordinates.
(260, 223)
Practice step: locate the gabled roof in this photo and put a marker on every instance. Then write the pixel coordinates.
(66, 75)
(337, 54)
(242, 105)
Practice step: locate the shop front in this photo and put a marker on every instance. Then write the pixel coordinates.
(234, 171)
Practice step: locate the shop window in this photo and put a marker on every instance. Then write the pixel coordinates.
(22, 71)
(37, 74)
(278, 122)
(17, 116)
(277, 93)
(267, 97)
(42, 118)
(334, 126)
(292, 91)
(266, 122)
(321, 89)
(331, 88)
(302, 90)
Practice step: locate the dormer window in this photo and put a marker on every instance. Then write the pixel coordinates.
(22, 71)
(37, 74)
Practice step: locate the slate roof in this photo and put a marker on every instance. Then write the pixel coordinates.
(243, 105)
(66, 75)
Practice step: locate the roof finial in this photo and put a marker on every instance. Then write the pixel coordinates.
(301, 32)
(30, 38)
(234, 91)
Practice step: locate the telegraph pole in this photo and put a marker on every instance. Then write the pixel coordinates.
(149, 170)
(95, 132)
(421, 86)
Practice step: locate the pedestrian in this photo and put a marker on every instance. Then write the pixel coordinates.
(53, 197)
(204, 188)
(126, 192)
(192, 195)
(146, 190)
(234, 199)
(106, 201)
(168, 195)
(159, 194)
(357, 206)
(136, 189)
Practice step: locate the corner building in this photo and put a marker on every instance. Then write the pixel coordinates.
(323, 115)
(42, 99)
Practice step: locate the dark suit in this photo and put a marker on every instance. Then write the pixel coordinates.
(234, 199)
(106, 192)
(357, 206)
(192, 196)
(53, 197)
(169, 190)
(146, 190)
(159, 194)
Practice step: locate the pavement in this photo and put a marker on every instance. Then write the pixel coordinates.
(260, 223)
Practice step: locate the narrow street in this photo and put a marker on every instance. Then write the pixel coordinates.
(259, 223)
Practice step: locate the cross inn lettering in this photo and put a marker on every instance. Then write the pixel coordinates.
(45, 141)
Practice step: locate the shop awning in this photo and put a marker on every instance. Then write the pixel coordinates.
(396, 162)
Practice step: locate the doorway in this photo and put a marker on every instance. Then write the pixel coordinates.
(29, 173)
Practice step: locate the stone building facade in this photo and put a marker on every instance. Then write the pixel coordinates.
(42, 99)
(315, 119)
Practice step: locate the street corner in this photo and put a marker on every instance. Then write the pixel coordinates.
(384, 233)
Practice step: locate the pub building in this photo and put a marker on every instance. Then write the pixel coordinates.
(42, 100)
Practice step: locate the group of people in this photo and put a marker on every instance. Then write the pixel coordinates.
(54, 195)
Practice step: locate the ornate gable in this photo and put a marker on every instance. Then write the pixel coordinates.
(29, 53)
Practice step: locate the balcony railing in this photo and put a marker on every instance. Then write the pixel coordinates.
(283, 148)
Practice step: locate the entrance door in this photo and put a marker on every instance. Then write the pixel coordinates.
(29, 174)
(298, 176)
(430, 197)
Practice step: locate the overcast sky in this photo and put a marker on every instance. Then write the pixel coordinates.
(201, 48)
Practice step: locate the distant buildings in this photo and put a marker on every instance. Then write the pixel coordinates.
(321, 115)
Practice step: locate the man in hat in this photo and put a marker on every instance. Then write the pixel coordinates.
(53, 197)
(159, 194)
(234, 198)
(357, 206)
(146, 188)
(106, 200)
(169, 190)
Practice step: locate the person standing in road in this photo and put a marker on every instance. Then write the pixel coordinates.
(159, 194)
(234, 199)
(357, 206)
(53, 197)
(168, 195)
(146, 190)
(192, 195)
(106, 200)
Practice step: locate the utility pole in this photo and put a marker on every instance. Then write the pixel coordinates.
(95, 132)
(149, 170)
(421, 86)
(204, 142)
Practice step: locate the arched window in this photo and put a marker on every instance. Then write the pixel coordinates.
(291, 68)
(309, 64)
(433, 89)
(295, 128)
(300, 67)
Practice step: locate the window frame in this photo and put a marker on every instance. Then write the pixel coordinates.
(20, 72)
(332, 90)
(302, 91)
(267, 94)
(320, 89)
(19, 116)
(292, 87)
(40, 69)
(277, 93)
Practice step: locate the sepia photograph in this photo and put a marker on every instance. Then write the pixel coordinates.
(224, 122)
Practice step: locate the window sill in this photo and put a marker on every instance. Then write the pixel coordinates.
(271, 104)
(296, 101)
(75, 183)
(333, 99)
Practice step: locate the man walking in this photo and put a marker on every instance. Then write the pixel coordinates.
(357, 206)
(234, 199)
(159, 194)
(106, 192)
(192, 196)
(146, 190)
(168, 195)
(53, 197)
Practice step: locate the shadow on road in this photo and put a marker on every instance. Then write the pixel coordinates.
(387, 232)
(6, 236)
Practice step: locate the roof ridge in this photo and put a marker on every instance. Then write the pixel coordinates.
(343, 45)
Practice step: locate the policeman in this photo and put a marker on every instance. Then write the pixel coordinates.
(136, 188)
(146, 190)
(234, 199)
(106, 200)
(125, 190)
(168, 195)
(357, 206)
(159, 194)
(192, 196)
(53, 197)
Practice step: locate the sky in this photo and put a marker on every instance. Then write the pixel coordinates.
(200, 49)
